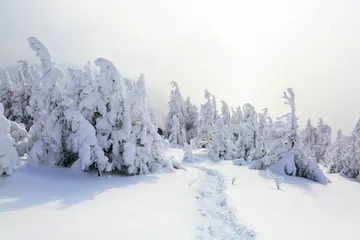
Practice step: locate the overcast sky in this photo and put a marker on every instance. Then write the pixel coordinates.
(242, 51)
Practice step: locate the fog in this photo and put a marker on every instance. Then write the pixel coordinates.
(241, 51)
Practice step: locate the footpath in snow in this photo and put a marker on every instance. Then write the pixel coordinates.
(220, 222)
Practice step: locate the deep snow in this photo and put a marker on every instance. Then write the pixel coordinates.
(40, 202)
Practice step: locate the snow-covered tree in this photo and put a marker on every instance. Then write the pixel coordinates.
(221, 146)
(144, 152)
(21, 96)
(81, 141)
(351, 158)
(308, 139)
(191, 120)
(175, 122)
(8, 155)
(225, 113)
(7, 89)
(245, 143)
(292, 159)
(47, 108)
(261, 138)
(236, 122)
(323, 140)
(335, 154)
(206, 123)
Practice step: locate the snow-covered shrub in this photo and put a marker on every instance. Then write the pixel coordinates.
(21, 138)
(8, 155)
(188, 155)
(221, 146)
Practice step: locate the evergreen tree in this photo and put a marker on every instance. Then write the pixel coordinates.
(191, 120)
(221, 146)
(47, 108)
(175, 122)
(206, 123)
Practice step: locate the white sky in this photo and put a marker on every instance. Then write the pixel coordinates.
(242, 51)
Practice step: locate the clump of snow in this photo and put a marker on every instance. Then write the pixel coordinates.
(8, 155)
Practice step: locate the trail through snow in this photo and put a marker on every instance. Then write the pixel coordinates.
(221, 223)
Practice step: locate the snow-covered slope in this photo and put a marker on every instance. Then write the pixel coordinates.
(39, 202)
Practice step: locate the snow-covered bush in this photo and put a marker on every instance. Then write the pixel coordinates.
(20, 137)
(8, 155)
(188, 155)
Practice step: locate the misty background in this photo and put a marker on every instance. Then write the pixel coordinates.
(241, 51)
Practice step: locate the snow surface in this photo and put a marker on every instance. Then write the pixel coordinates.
(43, 202)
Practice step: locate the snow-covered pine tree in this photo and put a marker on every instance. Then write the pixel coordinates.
(206, 123)
(308, 139)
(8, 155)
(175, 122)
(7, 89)
(323, 140)
(82, 143)
(246, 140)
(261, 140)
(335, 154)
(47, 108)
(351, 158)
(145, 148)
(21, 96)
(236, 122)
(221, 146)
(225, 113)
(191, 120)
(292, 159)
